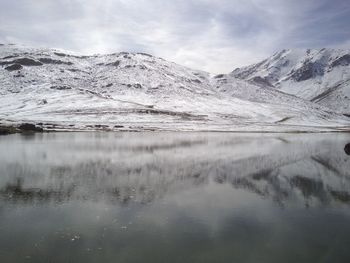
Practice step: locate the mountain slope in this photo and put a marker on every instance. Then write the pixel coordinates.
(321, 76)
(136, 91)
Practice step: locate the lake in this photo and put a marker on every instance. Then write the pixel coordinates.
(175, 197)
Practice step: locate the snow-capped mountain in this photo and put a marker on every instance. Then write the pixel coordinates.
(136, 91)
(321, 76)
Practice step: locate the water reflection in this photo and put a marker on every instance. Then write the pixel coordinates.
(198, 197)
(143, 168)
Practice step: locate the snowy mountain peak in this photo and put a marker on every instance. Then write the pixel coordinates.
(318, 75)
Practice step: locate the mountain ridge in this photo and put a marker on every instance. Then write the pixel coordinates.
(137, 91)
(317, 75)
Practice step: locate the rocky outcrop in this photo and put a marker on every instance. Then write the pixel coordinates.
(307, 71)
(6, 130)
(54, 61)
(27, 127)
(342, 61)
(347, 149)
(261, 81)
(14, 67)
(27, 62)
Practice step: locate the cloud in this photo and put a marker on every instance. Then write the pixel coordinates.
(215, 36)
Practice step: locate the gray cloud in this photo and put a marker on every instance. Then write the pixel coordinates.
(216, 36)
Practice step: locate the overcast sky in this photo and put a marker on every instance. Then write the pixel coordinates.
(215, 36)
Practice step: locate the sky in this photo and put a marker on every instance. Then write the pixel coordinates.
(216, 36)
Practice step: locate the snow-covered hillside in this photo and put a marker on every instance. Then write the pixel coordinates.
(321, 76)
(136, 91)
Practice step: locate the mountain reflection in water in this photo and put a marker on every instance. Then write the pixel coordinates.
(191, 188)
(141, 168)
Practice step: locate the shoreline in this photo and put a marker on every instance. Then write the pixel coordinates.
(31, 128)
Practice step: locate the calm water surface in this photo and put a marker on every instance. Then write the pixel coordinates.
(175, 197)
